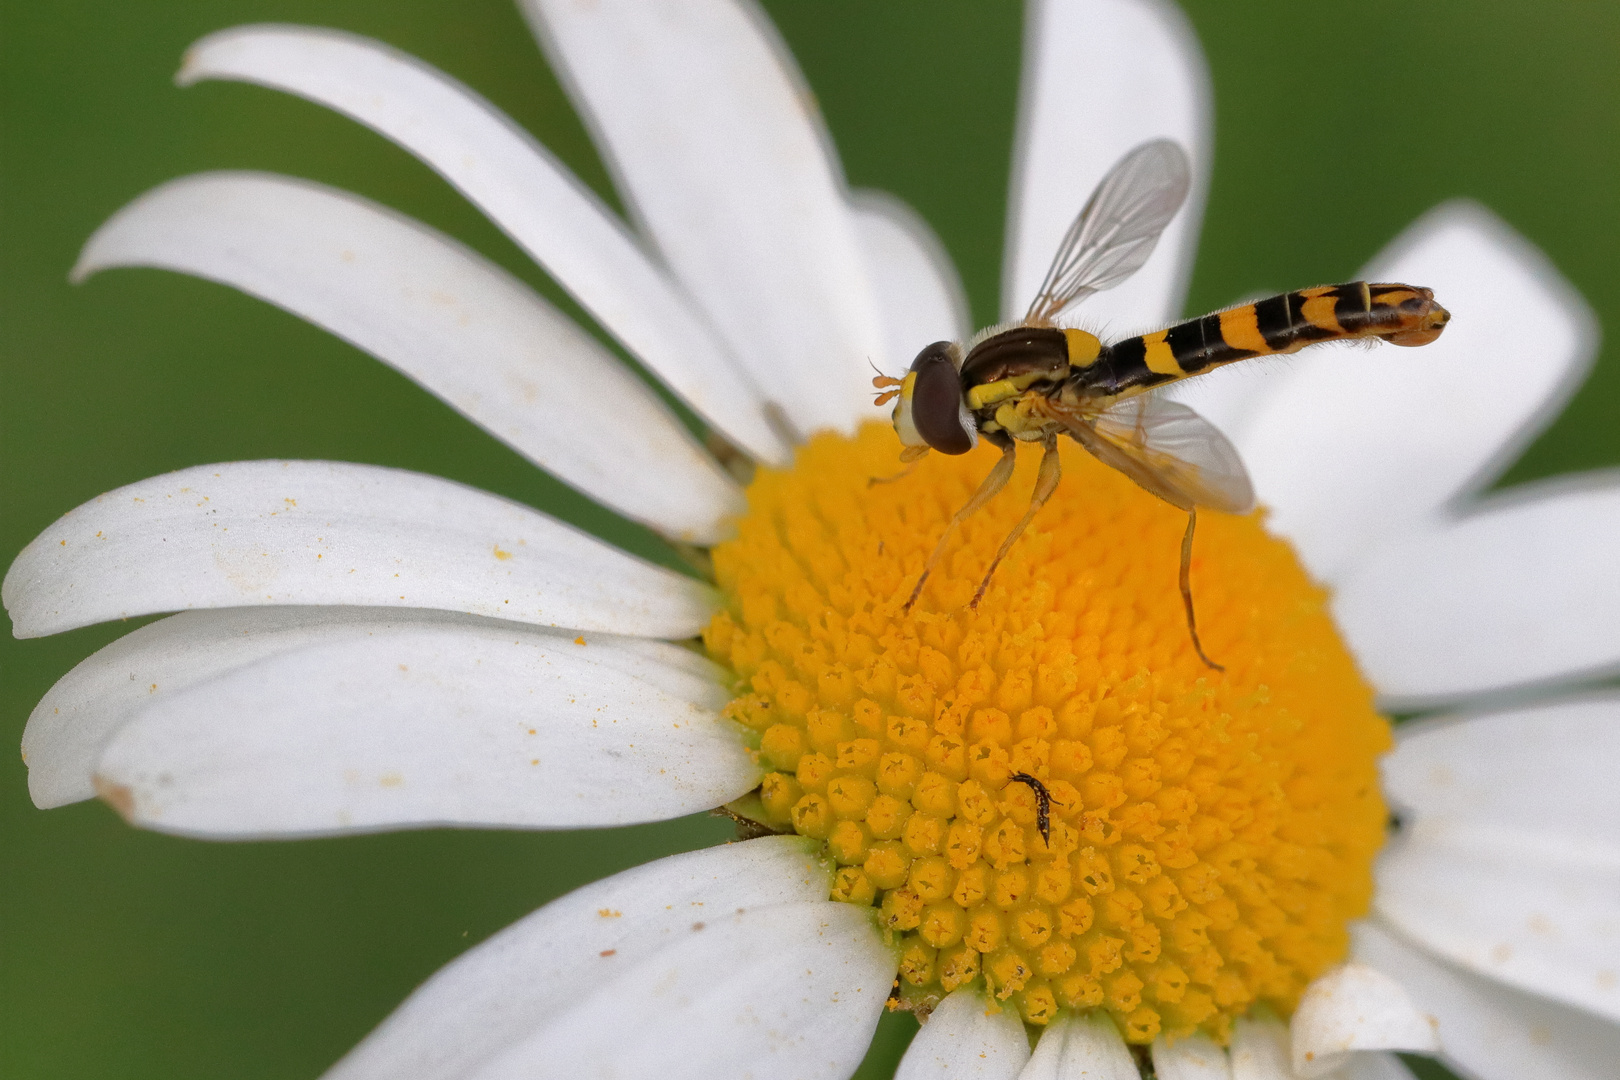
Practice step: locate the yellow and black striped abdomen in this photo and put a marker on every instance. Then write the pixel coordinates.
(1402, 314)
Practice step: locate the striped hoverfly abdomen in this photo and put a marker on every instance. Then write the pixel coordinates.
(1399, 314)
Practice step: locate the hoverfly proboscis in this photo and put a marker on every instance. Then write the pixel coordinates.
(1034, 380)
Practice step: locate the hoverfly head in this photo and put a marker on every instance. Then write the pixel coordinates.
(932, 410)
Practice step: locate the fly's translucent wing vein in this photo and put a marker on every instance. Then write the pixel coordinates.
(1118, 228)
(1172, 452)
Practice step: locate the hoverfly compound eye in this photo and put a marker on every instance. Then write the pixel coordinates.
(932, 411)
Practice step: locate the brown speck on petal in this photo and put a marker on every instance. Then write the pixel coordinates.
(121, 797)
(607, 952)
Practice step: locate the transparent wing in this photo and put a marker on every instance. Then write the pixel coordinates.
(1116, 232)
(1169, 450)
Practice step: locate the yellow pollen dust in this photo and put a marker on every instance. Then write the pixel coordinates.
(1209, 834)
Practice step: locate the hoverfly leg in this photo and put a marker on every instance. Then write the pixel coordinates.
(908, 457)
(988, 490)
(873, 481)
(1046, 482)
(1186, 588)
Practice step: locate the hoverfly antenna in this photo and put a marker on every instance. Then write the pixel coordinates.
(888, 386)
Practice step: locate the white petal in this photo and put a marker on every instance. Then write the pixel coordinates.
(1261, 1049)
(1100, 78)
(1488, 1030)
(451, 320)
(964, 1040)
(672, 668)
(1193, 1058)
(1516, 907)
(1524, 589)
(1547, 769)
(498, 994)
(1510, 863)
(522, 188)
(790, 990)
(919, 293)
(465, 722)
(1086, 1046)
(719, 151)
(73, 723)
(320, 532)
(1358, 446)
(1355, 1007)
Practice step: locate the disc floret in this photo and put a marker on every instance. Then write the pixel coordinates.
(1208, 836)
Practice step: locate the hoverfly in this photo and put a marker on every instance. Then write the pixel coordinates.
(1034, 380)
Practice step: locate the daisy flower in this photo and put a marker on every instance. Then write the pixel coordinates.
(361, 648)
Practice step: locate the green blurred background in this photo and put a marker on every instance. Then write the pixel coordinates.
(127, 954)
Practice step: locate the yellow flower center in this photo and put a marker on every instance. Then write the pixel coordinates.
(1206, 835)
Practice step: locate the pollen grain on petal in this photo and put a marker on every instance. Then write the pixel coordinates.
(1208, 836)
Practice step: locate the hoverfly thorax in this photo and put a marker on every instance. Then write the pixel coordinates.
(931, 411)
(1003, 364)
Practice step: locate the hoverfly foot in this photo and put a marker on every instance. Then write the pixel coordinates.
(911, 601)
